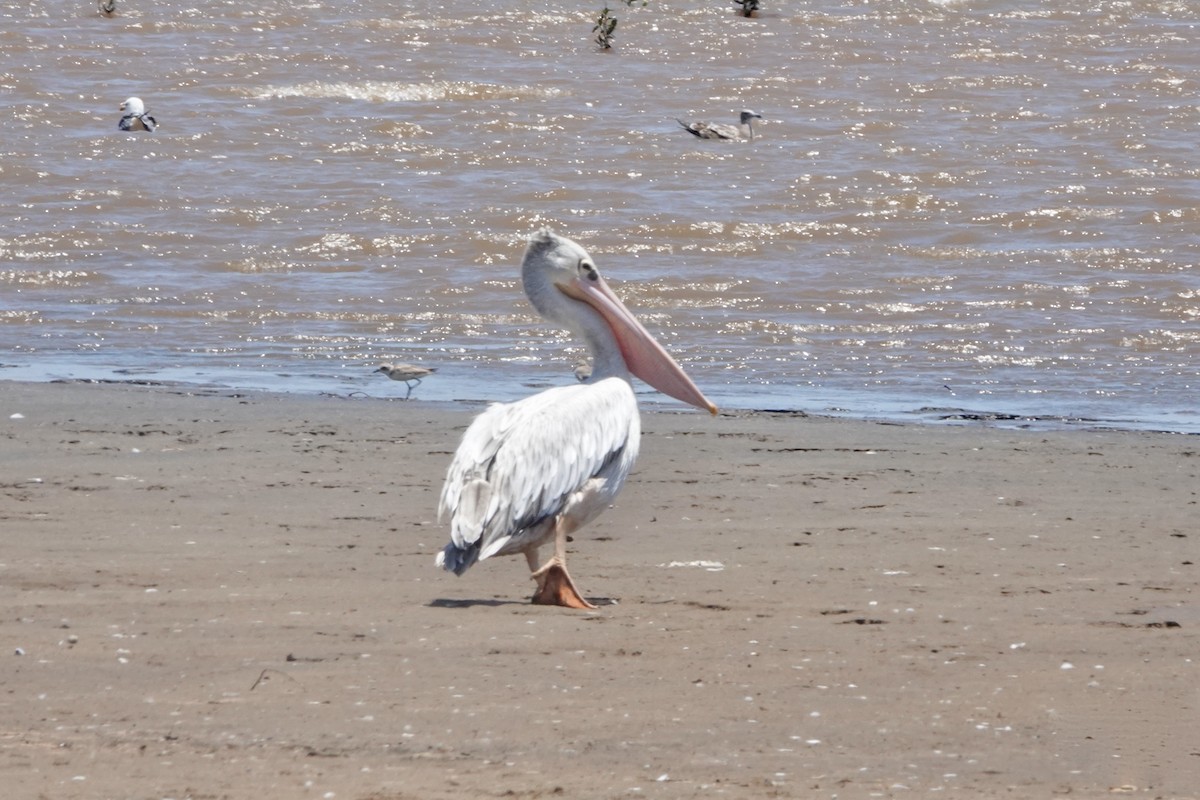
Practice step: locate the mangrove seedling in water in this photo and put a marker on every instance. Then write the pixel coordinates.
(606, 23)
(748, 6)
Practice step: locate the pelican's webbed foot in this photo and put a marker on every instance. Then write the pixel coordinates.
(555, 587)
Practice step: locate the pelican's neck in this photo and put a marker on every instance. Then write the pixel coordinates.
(585, 323)
(607, 361)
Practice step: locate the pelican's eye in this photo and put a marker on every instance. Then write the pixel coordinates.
(588, 269)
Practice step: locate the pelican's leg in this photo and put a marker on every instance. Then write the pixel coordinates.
(555, 587)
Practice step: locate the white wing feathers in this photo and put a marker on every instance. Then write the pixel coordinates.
(521, 464)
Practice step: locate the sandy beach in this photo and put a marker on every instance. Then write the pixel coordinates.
(221, 595)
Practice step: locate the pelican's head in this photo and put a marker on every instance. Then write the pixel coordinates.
(563, 283)
(134, 106)
(553, 261)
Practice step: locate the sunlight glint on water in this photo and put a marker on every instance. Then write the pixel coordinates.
(954, 208)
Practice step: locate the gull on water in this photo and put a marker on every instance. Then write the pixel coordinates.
(716, 130)
(409, 374)
(136, 118)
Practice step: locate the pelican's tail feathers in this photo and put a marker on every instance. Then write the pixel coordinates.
(458, 559)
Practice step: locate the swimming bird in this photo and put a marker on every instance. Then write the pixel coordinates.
(715, 130)
(410, 374)
(136, 118)
(107, 7)
(539, 469)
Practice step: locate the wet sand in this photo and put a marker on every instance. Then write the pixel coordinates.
(219, 596)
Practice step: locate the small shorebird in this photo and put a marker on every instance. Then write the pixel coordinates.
(583, 370)
(136, 118)
(409, 374)
(716, 130)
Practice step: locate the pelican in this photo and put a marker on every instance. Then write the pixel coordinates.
(136, 118)
(713, 130)
(541, 468)
(408, 373)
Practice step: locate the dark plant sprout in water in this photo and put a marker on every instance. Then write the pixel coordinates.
(748, 6)
(606, 24)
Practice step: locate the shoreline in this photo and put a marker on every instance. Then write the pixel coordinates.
(951, 415)
(807, 606)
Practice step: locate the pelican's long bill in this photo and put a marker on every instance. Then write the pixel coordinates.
(644, 356)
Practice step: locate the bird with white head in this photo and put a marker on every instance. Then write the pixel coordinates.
(716, 130)
(541, 468)
(135, 117)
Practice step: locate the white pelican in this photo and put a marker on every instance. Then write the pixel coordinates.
(543, 467)
(136, 118)
(408, 373)
(713, 130)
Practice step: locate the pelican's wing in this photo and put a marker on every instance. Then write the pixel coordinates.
(520, 463)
